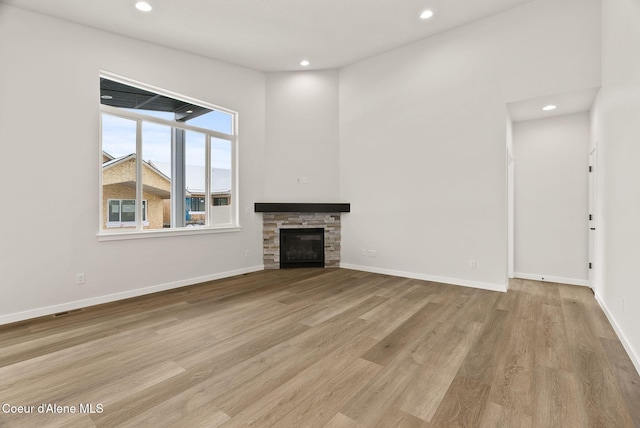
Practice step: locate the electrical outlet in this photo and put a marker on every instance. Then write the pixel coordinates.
(80, 278)
(373, 253)
(622, 305)
(472, 264)
(246, 254)
(364, 252)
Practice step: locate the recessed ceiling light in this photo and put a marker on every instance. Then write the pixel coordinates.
(106, 97)
(304, 63)
(549, 107)
(143, 6)
(426, 14)
(189, 111)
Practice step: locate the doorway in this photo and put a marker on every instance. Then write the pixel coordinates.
(551, 199)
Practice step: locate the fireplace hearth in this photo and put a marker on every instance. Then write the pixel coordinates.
(301, 248)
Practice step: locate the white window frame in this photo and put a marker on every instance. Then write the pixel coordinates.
(139, 232)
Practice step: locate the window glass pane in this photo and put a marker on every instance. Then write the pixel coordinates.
(214, 120)
(156, 174)
(114, 211)
(221, 181)
(128, 207)
(195, 156)
(118, 168)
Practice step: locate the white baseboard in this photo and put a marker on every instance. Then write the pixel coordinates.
(558, 279)
(633, 355)
(432, 278)
(78, 304)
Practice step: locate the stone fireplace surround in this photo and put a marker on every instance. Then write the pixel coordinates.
(276, 216)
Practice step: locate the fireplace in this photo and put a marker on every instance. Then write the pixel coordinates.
(301, 248)
(278, 217)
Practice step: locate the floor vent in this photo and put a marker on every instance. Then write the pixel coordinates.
(65, 313)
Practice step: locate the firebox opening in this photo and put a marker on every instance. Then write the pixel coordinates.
(301, 248)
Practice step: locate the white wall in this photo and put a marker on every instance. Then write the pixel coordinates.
(49, 113)
(618, 136)
(552, 198)
(422, 138)
(302, 137)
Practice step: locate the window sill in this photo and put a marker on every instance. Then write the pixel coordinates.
(118, 236)
(124, 224)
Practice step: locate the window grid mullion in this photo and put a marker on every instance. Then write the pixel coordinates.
(207, 180)
(139, 183)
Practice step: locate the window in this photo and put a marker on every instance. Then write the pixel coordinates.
(122, 213)
(220, 201)
(196, 204)
(168, 155)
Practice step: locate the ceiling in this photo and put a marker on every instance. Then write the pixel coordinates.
(566, 103)
(274, 35)
(118, 94)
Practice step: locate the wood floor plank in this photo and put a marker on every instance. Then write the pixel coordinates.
(398, 419)
(626, 375)
(318, 408)
(478, 309)
(558, 401)
(404, 335)
(496, 416)
(369, 406)
(480, 362)
(548, 291)
(603, 400)
(342, 421)
(338, 303)
(326, 347)
(597, 319)
(295, 398)
(205, 383)
(338, 328)
(388, 286)
(388, 316)
(350, 346)
(82, 422)
(513, 384)
(252, 341)
(449, 317)
(550, 335)
(431, 382)
(65, 360)
(463, 404)
(203, 417)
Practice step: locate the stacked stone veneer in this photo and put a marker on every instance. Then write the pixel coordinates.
(273, 222)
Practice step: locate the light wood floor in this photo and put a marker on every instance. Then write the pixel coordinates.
(326, 348)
